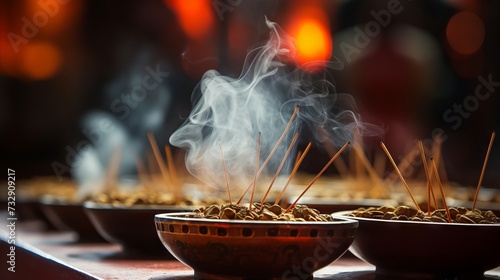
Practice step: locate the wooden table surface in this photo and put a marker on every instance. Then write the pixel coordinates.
(57, 255)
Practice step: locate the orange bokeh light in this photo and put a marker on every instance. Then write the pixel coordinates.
(40, 60)
(195, 17)
(465, 33)
(313, 42)
(53, 17)
(308, 25)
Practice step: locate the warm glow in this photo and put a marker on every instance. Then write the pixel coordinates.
(308, 24)
(312, 42)
(465, 33)
(40, 60)
(195, 17)
(52, 17)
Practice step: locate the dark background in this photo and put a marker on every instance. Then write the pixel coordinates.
(406, 79)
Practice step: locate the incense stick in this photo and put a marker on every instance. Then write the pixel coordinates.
(225, 174)
(176, 184)
(280, 167)
(292, 174)
(340, 163)
(255, 174)
(405, 163)
(289, 124)
(426, 170)
(443, 197)
(159, 160)
(483, 169)
(437, 155)
(399, 174)
(368, 167)
(142, 174)
(317, 176)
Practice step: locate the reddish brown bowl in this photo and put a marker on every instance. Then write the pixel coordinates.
(409, 249)
(72, 217)
(130, 226)
(242, 249)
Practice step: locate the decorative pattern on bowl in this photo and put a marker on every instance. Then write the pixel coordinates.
(241, 249)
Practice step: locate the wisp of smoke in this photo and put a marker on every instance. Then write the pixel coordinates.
(232, 111)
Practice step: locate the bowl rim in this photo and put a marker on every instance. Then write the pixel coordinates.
(344, 214)
(92, 205)
(178, 217)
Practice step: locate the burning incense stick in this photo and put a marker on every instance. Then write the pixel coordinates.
(255, 174)
(176, 184)
(289, 124)
(483, 169)
(438, 158)
(142, 174)
(225, 174)
(171, 166)
(317, 176)
(281, 166)
(159, 160)
(339, 163)
(443, 197)
(407, 161)
(426, 169)
(369, 168)
(294, 171)
(399, 174)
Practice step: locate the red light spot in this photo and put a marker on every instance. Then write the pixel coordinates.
(465, 33)
(196, 17)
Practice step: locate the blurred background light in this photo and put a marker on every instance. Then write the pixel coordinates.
(465, 32)
(40, 60)
(308, 24)
(196, 17)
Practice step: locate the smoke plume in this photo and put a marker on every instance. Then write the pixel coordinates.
(232, 111)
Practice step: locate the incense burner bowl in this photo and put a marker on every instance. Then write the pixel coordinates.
(71, 216)
(130, 226)
(422, 250)
(242, 249)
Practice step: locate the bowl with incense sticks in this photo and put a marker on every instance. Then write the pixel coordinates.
(31, 192)
(70, 216)
(402, 242)
(235, 241)
(127, 219)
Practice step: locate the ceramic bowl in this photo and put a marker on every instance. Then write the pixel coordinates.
(242, 249)
(421, 250)
(68, 216)
(130, 226)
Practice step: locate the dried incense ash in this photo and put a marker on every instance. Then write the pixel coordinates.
(260, 212)
(405, 213)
